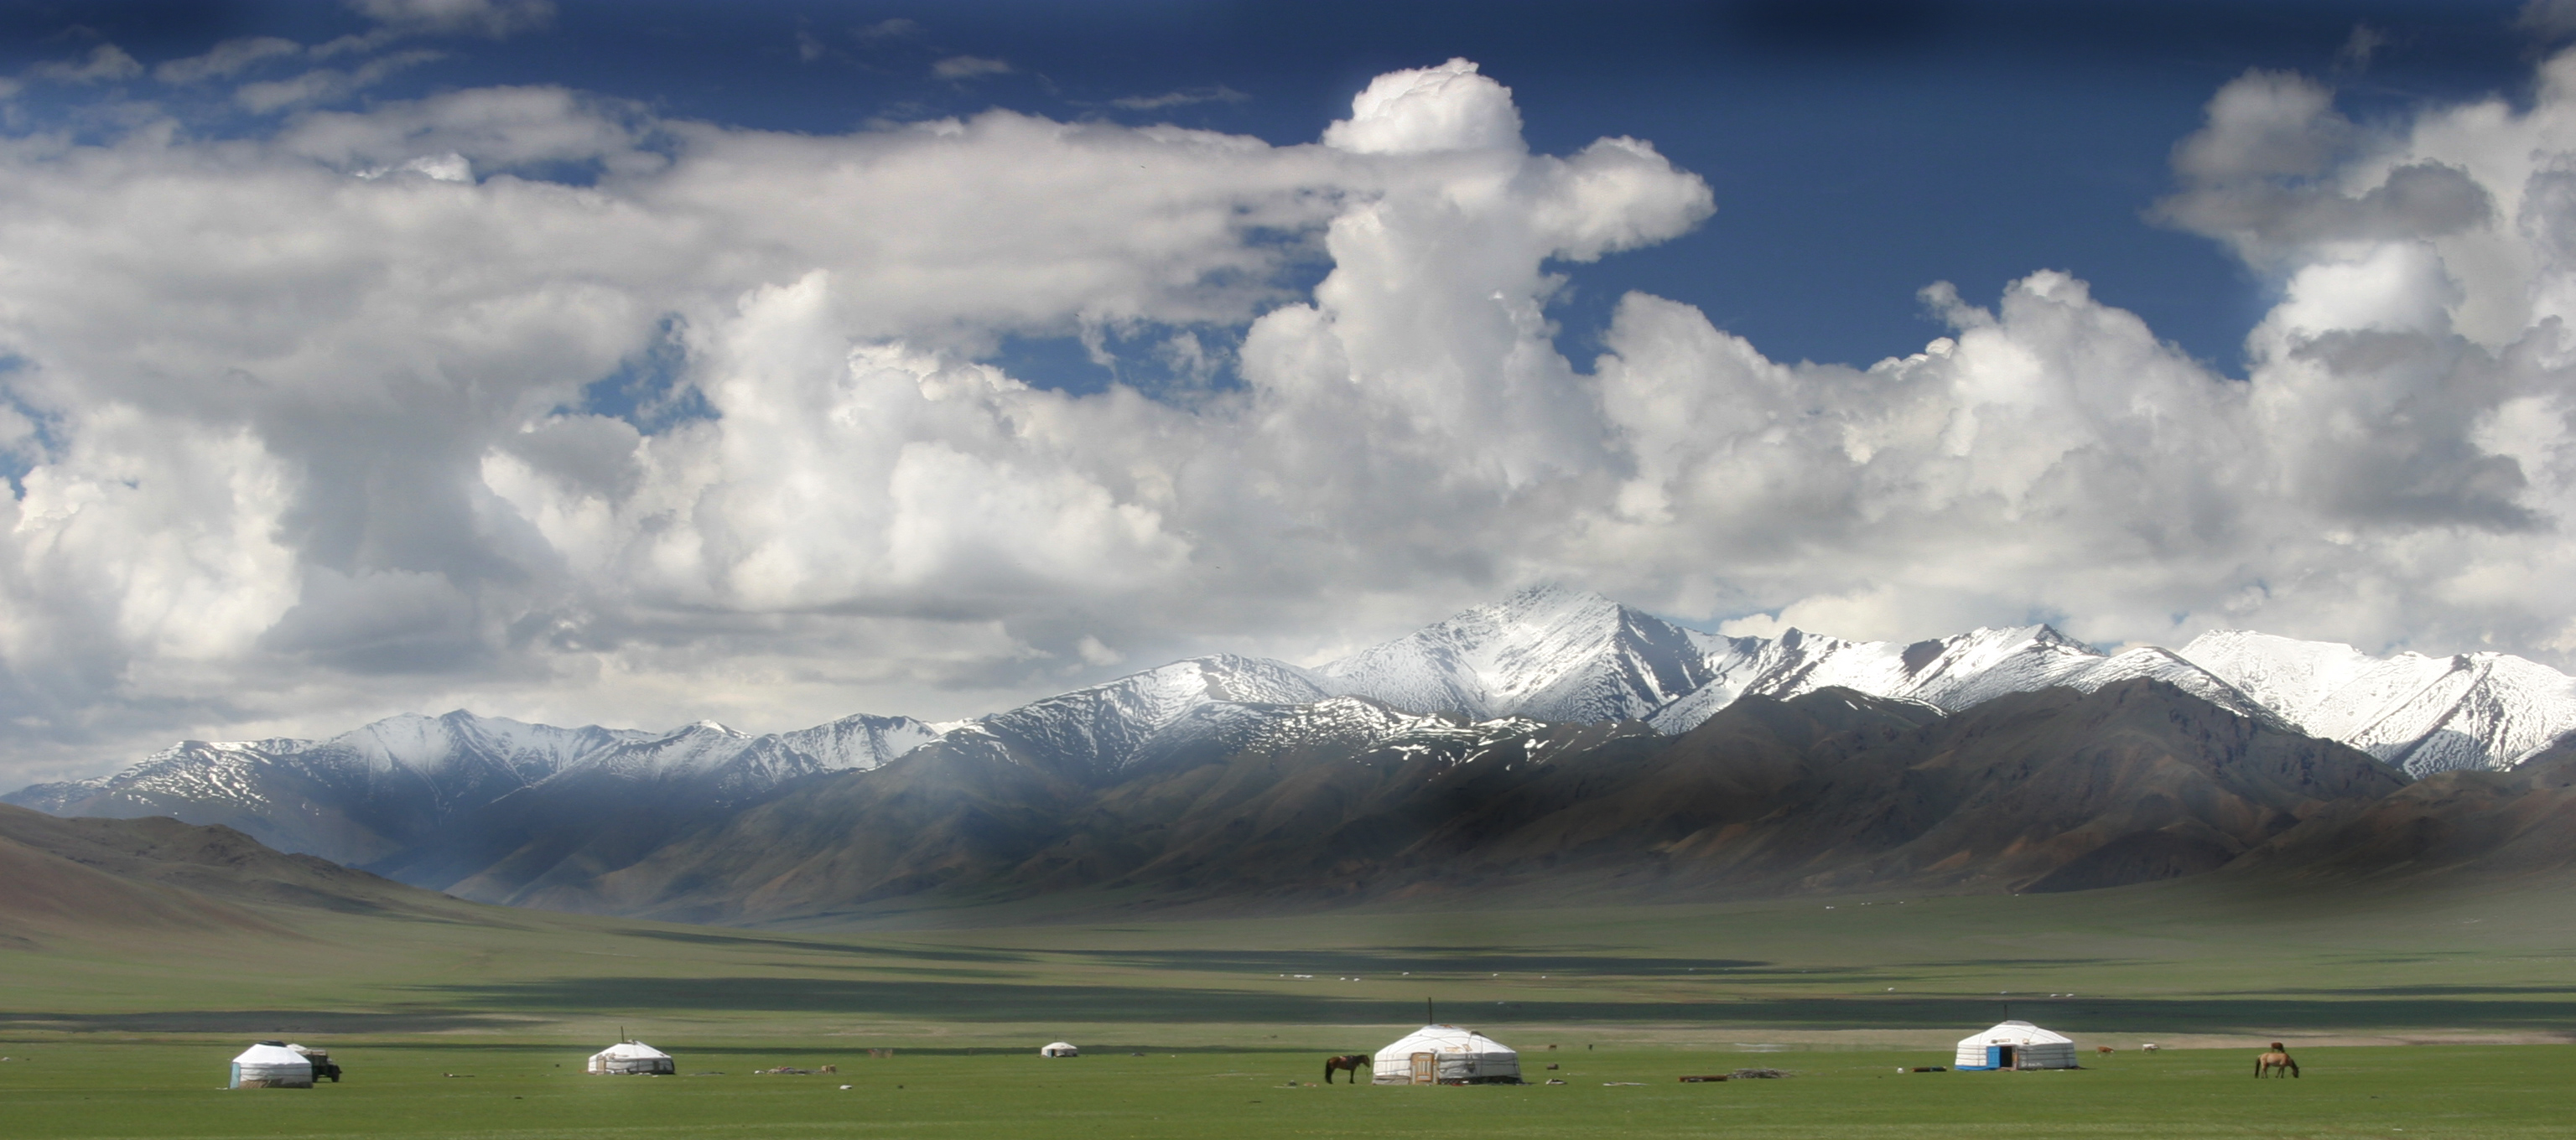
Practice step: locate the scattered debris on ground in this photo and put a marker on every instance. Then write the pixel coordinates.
(1758, 1074)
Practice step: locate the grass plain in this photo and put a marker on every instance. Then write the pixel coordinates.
(126, 1033)
(99, 1091)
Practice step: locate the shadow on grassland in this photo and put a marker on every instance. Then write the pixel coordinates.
(1112, 1004)
(260, 1021)
(938, 954)
(1436, 960)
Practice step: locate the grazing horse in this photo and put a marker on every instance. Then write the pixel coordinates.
(1350, 1063)
(2278, 1058)
(2103, 1050)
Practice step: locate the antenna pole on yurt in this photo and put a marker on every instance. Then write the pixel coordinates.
(1427, 1018)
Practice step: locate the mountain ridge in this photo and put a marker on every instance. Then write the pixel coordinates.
(502, 811)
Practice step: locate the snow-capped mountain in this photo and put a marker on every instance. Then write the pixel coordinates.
(1561, 655)
(1950, 674)
(2424, 714)
(498, 808)
(1098, 730)
(1546, 653)
(368, 793)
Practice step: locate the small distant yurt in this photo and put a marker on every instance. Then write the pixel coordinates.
(271, 1065)
(2016, 1045)
(631, 1057)
(1446, 1055)
(1060, 1049)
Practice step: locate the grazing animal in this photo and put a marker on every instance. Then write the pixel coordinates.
(2278, 1058)
(2104, 1050)
(2149, 1047)
(1350, 1063)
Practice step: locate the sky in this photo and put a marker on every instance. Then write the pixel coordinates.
(767, 362)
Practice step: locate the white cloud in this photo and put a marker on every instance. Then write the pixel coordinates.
(326, 84)
(1449, 107)
(106, 63)
(493, 18)
(309, 437)
(227, 59)
(958, 67)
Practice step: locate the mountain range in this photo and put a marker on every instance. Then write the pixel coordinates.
(1108, 786)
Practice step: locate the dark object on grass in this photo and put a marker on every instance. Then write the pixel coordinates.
(1702, 1080)
(1932, 1068)
(1350, 1063)
(1551, 1064)
(1758, 1074)
(2278, 1058)
(323, 1069)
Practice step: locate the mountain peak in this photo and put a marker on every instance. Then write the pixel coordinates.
(1546, 652)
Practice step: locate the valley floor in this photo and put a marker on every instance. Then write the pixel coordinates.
(127, 1034)
(97, 1090)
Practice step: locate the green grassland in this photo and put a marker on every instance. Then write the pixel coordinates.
(125, 1033)
(107, 1090)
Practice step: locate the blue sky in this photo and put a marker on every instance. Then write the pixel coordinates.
(642, 362)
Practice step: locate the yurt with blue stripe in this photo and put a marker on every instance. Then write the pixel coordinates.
(2015, 1045)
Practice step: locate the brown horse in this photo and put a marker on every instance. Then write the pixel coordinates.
(1350, 1063)
(2278, 1058)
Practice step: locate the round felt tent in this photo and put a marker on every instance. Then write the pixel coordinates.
(1060, 1049)
(1446, 1055)
(271, 1065)
(629, 1058)
(2015, 1045)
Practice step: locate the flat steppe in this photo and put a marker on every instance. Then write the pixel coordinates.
(2436, 1012)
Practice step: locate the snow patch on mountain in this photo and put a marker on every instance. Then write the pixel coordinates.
(428, 769)
(1545, 652)
(1950, 674)
(2423, 714)
(1103, 728)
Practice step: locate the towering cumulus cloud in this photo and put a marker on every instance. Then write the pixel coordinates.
(529, 400)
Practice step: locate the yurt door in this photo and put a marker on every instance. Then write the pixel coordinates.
(2004, 1057)
(1426, 1068)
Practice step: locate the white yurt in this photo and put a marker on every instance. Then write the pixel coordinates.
(2016, 1045)
(1060, 1049)
(630, 1057)
(271, 1065)
(1446, 1055)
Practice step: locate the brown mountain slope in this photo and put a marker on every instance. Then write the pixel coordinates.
(44, 896)
(205, 866)
(2039, 791)
(2515, 823)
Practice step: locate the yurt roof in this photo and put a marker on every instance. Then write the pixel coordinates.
(1059, 1045)
(2017, 1033)
(630, 1051)
(271, 1055)
(1445, 1039)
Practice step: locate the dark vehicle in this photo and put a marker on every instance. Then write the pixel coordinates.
(322, 1066)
